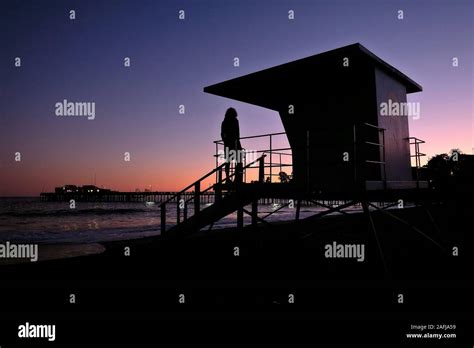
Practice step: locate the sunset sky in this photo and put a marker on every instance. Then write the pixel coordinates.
(173, 60)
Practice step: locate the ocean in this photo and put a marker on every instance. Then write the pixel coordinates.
(28, 219)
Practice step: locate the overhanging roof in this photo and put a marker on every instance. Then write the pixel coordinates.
(265, 87)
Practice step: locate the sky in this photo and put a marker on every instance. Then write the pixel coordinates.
(172, 60)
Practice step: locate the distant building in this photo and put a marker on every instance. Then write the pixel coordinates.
(67, 189)
(81, 189)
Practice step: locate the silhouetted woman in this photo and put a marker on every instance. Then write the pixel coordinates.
(231, 137)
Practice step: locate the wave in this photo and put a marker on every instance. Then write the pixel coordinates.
(74, 212)
(79, 236)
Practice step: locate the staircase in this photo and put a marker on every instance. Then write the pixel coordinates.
(228, 199)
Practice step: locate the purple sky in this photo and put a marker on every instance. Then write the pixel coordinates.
(171, 62)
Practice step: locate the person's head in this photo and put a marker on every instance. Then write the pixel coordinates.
(231, 113)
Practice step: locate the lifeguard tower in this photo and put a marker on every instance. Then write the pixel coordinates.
(341, 146)
(329, 106)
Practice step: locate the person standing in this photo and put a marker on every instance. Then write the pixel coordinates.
(230, 135)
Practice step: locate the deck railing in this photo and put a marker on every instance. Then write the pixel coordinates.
(381, 145)
(416, 142)
(263, 165)
(280, 153)
(283, 153)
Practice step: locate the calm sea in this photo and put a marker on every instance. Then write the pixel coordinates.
(30, 220)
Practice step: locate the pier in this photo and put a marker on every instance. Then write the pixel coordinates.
(115, 196)
(160, 197)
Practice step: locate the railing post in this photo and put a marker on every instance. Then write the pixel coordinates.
(307, 161)
(197, 200)
(261, 166)
(244, 164)
(417, 152)
(239, 172)
(384, 161)
(163, 218)
(218, 187)
(271, 168)
(354, 156)
(178, 209)
(217, 160)
(417, 162)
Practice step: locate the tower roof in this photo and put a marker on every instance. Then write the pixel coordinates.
(267, 87)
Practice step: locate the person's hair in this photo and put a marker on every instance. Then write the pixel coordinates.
(231, 113)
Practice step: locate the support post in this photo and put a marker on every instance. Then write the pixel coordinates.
(261, 166)
(365, 207)
(271, 155)
(384, 161)
(218, 187)
(298, 207)
(197, 201)
(254, 213)
(307, 162)
(178, 209)
(216, 154)
(354, 156)
(163, 218)
(240, 218)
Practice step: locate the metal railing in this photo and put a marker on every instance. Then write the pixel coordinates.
(270, 152)
(356, 142)
(415, 141)
(196, 194)
(381, 145)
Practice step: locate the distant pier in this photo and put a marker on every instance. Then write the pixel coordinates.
(156, 197)
(115, 196)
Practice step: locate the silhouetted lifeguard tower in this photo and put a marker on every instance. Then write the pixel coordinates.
(341, 145)
(329, 106)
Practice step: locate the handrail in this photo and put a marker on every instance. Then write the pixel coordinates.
(371, 125)
(205, 177)
(281, 133)
(382, 161)
(251, 137)
(197, 192)
(418, 154)
(417, 140)
(273, 165)
(270, 151)
(375, 144)
(265, 151)
(193, 184)
(277, 153)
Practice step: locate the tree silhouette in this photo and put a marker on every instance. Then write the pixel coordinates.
(445, 169)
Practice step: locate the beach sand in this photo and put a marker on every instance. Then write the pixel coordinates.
(234, 295)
